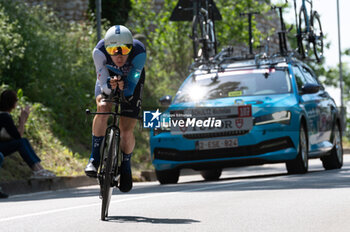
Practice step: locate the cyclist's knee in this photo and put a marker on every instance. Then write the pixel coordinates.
(127, 125)
(102, 118)
(127, 134)
(103, 108)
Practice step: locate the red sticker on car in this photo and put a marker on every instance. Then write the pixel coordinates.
(239, 123)
(244, 111)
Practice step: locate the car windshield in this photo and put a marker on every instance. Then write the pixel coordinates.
(234, 84)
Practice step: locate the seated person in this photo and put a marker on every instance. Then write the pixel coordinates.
(11, 137)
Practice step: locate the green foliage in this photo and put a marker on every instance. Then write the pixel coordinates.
(54, 154)
(11, 42)
(115, 11)
(51, 61)
(169, 47)
(233, 29)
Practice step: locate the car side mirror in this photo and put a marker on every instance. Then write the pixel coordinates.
(310, 88)
(166, 100)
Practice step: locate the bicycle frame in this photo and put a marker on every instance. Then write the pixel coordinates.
(307, 15)
(111, 158)
(116, 132)
(203, 17)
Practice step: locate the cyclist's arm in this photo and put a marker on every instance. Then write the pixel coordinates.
(101, 70)
(134, 75)
(6, 122)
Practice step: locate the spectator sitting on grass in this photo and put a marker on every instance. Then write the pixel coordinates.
(11, 137)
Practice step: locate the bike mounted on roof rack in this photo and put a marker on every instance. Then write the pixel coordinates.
(203, 14)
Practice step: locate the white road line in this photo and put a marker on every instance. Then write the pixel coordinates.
(117, 201)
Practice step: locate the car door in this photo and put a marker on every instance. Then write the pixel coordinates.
(307, 102)
(324, 119)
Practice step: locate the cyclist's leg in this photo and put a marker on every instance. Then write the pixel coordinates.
(99, 127)
(127, 124)
(127, 144)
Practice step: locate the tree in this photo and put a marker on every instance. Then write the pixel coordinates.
(169, 47)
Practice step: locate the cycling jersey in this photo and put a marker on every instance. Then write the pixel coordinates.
(7, 127)
(131, 70)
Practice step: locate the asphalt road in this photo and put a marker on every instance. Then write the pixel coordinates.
(260, 198)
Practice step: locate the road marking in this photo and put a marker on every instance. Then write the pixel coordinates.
(117, 201)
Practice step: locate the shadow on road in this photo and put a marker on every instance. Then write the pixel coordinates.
(138, 219)
(315, 179)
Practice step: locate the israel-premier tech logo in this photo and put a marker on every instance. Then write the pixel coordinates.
(151, 119)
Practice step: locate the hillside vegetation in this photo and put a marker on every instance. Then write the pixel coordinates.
(48, 61)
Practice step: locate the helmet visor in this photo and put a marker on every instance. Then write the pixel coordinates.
(114, 49)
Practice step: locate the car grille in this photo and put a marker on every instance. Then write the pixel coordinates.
(217, 134)
(190, 155)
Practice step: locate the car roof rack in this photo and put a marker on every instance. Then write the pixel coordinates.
(226, 56)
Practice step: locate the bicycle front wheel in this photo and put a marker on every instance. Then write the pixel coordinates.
(317, 36)
(195, 37)
(109, 152)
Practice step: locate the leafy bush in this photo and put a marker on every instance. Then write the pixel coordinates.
(11, 43)
(54, 154)
(51, 61)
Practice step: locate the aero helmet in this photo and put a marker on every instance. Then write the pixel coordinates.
(118, 35)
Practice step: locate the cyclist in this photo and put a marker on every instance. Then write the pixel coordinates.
(117, 51)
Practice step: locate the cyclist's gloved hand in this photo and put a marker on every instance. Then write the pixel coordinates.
(120, 83)
(115, 81)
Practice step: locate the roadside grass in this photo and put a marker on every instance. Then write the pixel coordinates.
(53, 154)
(346, 143)
(62, 159)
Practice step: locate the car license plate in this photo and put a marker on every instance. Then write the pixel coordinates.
(217, 144)
(205, 120)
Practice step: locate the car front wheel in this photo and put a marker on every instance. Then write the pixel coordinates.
(168, 176)
(213, 174)
(300, 164)
(335, 159)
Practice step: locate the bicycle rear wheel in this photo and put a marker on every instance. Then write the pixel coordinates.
(210, 39)
(317, 36)
(195, 37)
(109, 152)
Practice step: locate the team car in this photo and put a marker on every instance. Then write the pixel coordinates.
(241, 112)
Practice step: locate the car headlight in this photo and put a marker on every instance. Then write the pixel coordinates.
(277, 117)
